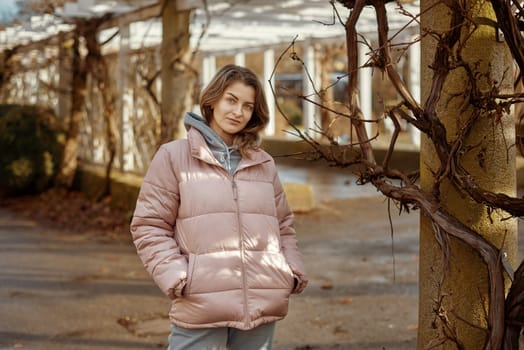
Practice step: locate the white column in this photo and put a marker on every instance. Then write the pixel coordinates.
(240, 59)
(269, 64)
(86, 5)
(125, 102)
(414, 85)
(309, 109)
(365, 84)
(209, 67)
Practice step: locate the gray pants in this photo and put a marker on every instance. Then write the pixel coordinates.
(260, 338)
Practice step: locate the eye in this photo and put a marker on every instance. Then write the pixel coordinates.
(249, 108)
(230, 100)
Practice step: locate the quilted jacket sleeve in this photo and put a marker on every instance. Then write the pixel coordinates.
(288, 236)
(153, 226)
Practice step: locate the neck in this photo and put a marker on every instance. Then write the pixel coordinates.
(227, 139)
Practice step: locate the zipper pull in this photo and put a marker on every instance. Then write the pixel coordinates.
(234, 184)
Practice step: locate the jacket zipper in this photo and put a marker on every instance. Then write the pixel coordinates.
(242, 252)
(239, 226)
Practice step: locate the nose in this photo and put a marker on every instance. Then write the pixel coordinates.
(238, 109)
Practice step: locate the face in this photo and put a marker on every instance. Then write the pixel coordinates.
(233, 110)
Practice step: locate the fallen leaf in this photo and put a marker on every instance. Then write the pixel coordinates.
(344, 300)
(327, 285)
(339, 330)
(412, 327)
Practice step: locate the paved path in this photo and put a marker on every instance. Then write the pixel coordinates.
(62, 290)
(71, 291)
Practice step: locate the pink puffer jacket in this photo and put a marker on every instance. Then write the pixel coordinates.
(221, 246)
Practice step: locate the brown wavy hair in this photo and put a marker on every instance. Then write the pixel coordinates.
(248, 138)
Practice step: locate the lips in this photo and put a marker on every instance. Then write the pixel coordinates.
(233, 121)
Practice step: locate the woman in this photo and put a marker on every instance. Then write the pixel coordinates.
(213, 227)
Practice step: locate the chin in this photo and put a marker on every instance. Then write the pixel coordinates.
(233, 131)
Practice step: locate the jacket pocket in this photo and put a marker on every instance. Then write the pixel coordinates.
(268, 270)
(287, 272)
(190, 272)
(290, 275)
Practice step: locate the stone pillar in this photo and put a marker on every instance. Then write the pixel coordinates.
(462, 287)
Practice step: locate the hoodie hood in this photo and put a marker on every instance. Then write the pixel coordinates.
(228, 157)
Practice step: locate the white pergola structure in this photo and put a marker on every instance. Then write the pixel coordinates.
(234, 27)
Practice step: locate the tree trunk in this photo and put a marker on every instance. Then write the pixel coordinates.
(454, 285)
(178, 79)
(99, 71)
(6, 71)
(69, 160)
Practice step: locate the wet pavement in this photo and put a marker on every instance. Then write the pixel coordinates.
(327, 183)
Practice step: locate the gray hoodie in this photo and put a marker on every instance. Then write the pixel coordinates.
(228, 157)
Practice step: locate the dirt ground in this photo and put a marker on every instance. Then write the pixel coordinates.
(362, 292)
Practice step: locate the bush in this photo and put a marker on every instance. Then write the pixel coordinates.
(31, 144)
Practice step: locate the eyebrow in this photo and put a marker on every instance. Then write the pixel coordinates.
(232, 94)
